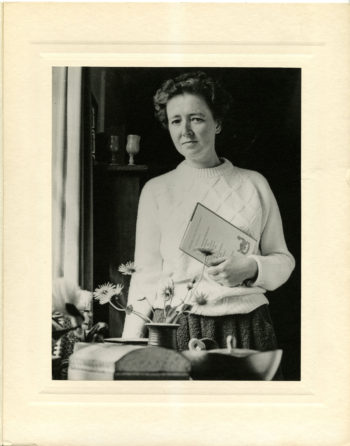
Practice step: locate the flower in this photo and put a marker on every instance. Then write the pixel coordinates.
(104, 298)
(168, 290)
(127, 268)
(200, 298)
(191, 284)
(103, 289)
(109, 292)
(105, 292)
(186, 308)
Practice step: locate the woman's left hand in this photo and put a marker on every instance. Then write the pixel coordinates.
(232, 271)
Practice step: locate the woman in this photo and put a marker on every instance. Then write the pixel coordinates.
(230, 299)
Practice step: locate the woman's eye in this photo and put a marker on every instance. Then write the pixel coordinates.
(196, 119)
(175, 122)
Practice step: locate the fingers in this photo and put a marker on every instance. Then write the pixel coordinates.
(222, 279)
(216, 275)
(214, 261)
(221, 271)
(216, 268)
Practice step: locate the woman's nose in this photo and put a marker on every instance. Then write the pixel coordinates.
(187, 128)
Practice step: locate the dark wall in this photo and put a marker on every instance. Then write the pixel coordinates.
(261, 133)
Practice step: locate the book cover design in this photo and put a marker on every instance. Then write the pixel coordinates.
(207, 230)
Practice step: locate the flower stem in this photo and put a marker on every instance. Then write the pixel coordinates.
(140, 315)
(117, 308)
(202, 273)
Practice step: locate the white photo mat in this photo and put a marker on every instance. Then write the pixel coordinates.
(43, 412)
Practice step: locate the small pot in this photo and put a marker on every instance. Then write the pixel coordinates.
(162, 334)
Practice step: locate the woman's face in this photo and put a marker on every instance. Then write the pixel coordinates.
(192, 129)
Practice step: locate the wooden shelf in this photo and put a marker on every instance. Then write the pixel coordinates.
(121, 167)
(127, 168)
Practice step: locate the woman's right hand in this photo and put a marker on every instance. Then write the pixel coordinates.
(232, 271)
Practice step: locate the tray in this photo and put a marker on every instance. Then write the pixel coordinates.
(131, 341)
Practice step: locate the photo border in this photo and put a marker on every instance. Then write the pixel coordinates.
(287, 405)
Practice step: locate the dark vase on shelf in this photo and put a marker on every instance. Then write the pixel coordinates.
(162, 334)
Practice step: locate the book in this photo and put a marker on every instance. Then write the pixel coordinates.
(206, 230)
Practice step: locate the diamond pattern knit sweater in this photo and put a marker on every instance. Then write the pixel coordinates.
(244, 198)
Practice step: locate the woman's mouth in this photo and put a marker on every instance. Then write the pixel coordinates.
(189, 142)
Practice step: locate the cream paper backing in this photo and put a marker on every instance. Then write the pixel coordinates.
(314, 411)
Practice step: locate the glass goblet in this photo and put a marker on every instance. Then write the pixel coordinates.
(133, 147)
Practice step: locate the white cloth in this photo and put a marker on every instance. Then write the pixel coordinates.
(242, 197)
(66, 156)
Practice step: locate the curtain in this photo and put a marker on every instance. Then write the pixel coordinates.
(66, 170)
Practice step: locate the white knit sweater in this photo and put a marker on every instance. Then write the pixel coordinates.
(244, 198)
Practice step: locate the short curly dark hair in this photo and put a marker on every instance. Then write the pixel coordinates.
(198, 83)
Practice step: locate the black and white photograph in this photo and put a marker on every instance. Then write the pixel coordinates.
(175, 224)
(176, 209)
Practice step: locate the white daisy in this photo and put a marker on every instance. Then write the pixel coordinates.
(168, 290)
(105, 292)
(200, 298)
(127, 268)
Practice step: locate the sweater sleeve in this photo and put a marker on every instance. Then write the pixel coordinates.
(276, 263)
(148, 262)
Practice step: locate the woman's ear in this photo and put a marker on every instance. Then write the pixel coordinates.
(218, 127)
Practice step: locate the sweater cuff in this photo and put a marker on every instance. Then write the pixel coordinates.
(259, 279)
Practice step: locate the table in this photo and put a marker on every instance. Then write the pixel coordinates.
(109, 361)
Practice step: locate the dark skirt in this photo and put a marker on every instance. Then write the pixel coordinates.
(253, 330)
